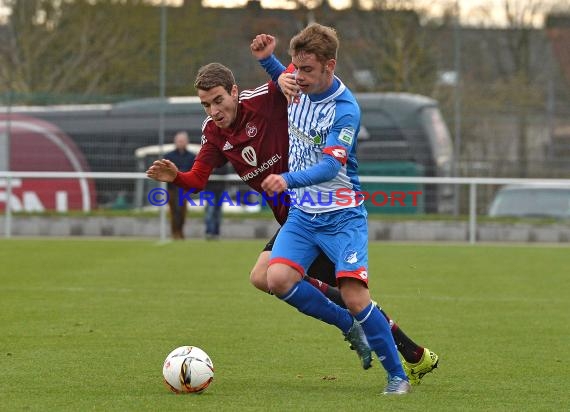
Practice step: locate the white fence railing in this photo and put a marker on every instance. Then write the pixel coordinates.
(8, 179)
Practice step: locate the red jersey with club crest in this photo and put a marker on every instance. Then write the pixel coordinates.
(256, 144)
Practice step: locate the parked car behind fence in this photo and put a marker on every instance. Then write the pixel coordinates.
(543, 201)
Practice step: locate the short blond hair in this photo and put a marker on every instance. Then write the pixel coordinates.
(322, 41)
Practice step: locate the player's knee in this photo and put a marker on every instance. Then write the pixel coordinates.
(258, 278)
(281, 278)
(355, 295)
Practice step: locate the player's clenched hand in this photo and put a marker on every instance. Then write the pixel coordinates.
(162, 170)
(289, 87)
(273, 184)
(262, 46)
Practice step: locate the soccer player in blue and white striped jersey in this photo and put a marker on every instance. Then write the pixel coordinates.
(327, 212)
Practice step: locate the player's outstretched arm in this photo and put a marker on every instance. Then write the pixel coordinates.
(162, 170)
(262, 46)
(195, 179)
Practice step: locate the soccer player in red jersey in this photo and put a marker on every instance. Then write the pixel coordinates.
(249, 130)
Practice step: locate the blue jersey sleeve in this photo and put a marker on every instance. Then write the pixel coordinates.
(323, 171)
(345, 127)
(273, 67)
(342, 137)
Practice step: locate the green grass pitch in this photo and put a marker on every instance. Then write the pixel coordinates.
(86, 325)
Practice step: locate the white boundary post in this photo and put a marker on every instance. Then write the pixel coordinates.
(8, 209)
(472, 213)
(162, 214)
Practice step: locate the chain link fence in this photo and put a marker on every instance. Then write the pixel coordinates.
(503, 93)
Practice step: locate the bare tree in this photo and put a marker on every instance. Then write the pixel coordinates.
(33, 42)
(392, 45)
(518, 52)
(72, 47)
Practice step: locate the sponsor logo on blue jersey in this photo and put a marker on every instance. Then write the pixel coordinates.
(346, 136)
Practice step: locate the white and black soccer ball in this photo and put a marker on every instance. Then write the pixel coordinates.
(188, 369)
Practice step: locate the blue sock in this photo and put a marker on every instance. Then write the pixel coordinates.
(310, 301)
(377, 331)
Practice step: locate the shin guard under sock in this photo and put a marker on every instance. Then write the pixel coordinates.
(379, 336)
(310, 301)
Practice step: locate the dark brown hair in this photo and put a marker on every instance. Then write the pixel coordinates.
(214, 75)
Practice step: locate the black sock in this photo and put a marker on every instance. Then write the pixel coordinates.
(411, 351)
(329, 291)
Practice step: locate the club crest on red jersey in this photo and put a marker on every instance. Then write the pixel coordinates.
(250, 130)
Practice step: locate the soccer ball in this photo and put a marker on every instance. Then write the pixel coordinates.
(188, 369)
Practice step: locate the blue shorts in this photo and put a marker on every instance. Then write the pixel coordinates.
(342, 235)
